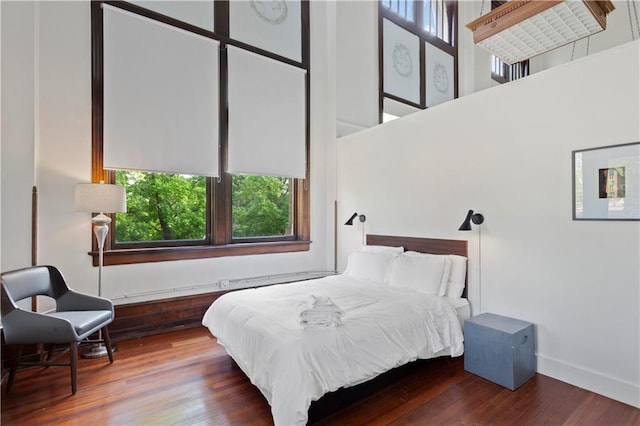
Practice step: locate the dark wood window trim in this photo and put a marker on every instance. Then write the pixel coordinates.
(162, 254)
(219, 241)
(415, 27)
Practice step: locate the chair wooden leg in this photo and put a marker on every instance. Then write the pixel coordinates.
(49, 354)
(107, 343)
(73, 353)
(14, 365)
(40, 349)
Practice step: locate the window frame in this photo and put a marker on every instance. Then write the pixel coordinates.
(415, 27)
(219, 241)
(287, 237)
(114, 245)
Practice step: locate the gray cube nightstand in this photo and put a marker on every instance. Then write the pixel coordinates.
(500, 349)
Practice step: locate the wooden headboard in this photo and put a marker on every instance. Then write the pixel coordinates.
(423, 245)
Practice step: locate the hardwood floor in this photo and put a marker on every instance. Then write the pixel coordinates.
(185, 377)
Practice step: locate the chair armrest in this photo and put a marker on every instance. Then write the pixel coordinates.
(74, 301)
(24, 327)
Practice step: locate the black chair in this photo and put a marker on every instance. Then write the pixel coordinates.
(76, 317)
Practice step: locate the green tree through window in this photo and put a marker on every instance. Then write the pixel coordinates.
(261, 206)
(172, 207)
(162, 206)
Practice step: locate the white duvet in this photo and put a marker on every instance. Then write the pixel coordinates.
(383, 327)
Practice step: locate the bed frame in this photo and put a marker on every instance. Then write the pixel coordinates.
(335, 401)
(423, 245)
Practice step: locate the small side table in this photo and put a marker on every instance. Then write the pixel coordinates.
(500, 349)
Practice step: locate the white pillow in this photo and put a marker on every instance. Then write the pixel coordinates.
(375, 249)
(426, 273)
(457, 275)
(373, 266)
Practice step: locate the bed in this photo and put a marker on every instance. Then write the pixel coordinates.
(399, 305)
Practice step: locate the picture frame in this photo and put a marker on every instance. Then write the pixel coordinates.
(606, 182)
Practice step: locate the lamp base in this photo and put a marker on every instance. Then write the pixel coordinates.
(97, 351)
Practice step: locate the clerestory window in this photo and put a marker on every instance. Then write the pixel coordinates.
(418, 55)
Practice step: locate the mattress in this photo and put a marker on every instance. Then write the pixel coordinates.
(382, 328)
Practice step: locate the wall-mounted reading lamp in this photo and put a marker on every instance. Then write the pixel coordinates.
(476, 218)
(362, 218)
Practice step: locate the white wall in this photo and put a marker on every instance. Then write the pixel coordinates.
(0, 139)
(356, 65)
(18, 134)
(324, 59)
(62, 95)
(618, 32)
(578, 281)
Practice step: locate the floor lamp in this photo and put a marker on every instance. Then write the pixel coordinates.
(102, 198)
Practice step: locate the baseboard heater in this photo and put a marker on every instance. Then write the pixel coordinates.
(165, 314)
(234, 284)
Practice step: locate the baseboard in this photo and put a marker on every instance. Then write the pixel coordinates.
(611, 387)
(159, 316)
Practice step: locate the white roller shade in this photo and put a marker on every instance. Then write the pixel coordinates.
(160, 96)
(267, 116)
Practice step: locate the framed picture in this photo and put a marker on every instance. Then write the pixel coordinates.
(606, 183)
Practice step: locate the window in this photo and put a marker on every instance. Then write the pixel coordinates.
(503, 73)
(439, 19)
(179, 215)
(435, 17)
(261, 207)
(403, 8)
(418, 55)
(161, 207)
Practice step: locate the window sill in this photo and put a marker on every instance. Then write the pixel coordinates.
(164, 254)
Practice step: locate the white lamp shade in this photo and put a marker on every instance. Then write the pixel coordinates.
(100, 198)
